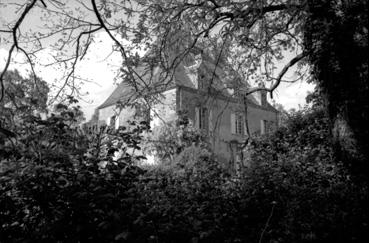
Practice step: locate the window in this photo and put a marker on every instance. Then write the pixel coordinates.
(202, 118)
(203, 121)
(203, 84)
(271, 126)
(238, 123)
(112, 121)
(267, 126)
(141, 113)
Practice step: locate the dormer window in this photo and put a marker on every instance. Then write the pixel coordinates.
(202, 83)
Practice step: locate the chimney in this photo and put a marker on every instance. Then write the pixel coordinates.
(261, 95)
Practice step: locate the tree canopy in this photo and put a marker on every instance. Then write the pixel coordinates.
(62, 183)
(252, 35)
(22, 97)
(262, 41)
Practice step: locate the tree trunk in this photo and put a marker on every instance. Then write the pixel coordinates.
(336, 36)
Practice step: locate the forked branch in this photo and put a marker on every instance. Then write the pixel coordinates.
(278, 80)
(14, 31)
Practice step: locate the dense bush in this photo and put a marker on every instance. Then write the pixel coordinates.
(318, 198)
(167, 141)
(61, 184)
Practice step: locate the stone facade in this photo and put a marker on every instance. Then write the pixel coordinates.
(210, 106)
(222, 112)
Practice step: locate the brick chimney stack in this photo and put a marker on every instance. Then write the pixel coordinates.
(261, 95)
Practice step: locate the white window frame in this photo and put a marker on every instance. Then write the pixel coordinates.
(263, 127)
(202, 118)
(116, 122)
(238, 123)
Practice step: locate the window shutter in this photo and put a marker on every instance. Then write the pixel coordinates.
(211, 121)
(197, 117)
(233, 123)
(205, 118)
(117, 122)
(244, 126)
(262, 126)
(112, 121)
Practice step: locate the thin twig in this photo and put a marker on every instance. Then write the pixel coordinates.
(15, 44)
(292, 62)
(267, 222)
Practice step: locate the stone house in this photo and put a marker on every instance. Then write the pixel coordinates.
(212, 101)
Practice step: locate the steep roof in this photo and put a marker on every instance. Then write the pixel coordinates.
(122, 91)
(153, 80)
(149, 82)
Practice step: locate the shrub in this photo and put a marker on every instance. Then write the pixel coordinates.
(61, 184)
(313, 192)
(169, 140)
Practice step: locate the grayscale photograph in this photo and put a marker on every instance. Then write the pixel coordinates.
(184, 121)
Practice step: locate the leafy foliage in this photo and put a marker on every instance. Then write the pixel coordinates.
(24, 94)
(59, 183)
(22, 97)
(171, 139)
(336, 36)
(80, 189)
(297, 168)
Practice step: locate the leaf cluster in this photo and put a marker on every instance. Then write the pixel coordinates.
(83, 190)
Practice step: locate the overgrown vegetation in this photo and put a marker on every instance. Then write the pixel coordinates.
(62, 184)
(59, 183)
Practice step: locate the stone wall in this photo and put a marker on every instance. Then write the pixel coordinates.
(221, 137)
(164, 109)
(122, 115)
(223, 141)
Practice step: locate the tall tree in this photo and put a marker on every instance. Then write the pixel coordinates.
(22, 97)
(255, 36)
(336, 36)
(23, 94)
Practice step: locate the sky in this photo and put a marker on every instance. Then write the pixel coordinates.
(100, 69)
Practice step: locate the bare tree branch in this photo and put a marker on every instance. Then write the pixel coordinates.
(20, 20)
(280, 75)
(122, 49)
(15, 44)
(75, 60)
(4, 71)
